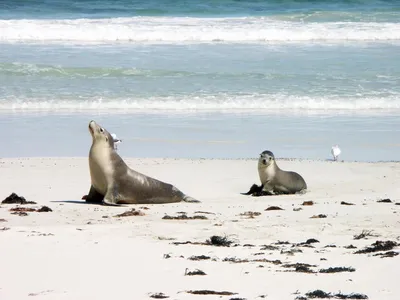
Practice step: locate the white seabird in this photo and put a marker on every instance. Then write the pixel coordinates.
(116, 140)
(335, 152)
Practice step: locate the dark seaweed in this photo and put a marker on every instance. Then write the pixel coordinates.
(282, 243)
(184, 217)
(219, 241)
(196, 272)
(235, 260)
(384, 201)
(15, 199)
(250, 214)
(300, 267)
(274, 208)
(269, 247)
(199, 257)
(320, 216)
(208, 292)
(363, 235)
(387, 254)
(337, 270)
(321, 295)
(130, 213)
(378, 246)
(159, 296)
(308, 242)
(44, 209)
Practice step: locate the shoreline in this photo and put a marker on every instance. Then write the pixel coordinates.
(286, 159)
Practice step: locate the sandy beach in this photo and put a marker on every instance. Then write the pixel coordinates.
(78, 250)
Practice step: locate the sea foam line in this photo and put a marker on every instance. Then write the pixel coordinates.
(192, 30)
(234, 103)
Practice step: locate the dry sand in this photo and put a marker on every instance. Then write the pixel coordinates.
(81, 251)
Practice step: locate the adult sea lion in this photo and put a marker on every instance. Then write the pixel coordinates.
(275, 181)
(114, 183)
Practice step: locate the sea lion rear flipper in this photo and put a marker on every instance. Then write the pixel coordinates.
(254, 189)
(190, 200)
(93, 196)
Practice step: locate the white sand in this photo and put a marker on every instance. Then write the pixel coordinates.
(87, 256)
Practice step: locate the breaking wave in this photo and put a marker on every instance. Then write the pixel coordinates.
(192, 30)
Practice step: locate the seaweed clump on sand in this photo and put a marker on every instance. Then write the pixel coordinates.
(184, 217)
(44, 209)
(159, 296)
(307, 243)
(387, 200)
(320, 216)
(21, 211)
(235, 260)
(219, 241)
(300, 267)
(195, 272)
(129, 213)
(319, 294)
(378, 246)
(387, 254)
(209, 292)
(363, 235)
(15, 199)
(273, 208)
(250, 214)
(337, 270)
(199, 257)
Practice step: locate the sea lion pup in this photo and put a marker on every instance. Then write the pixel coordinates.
(275, 181)
(114, 183)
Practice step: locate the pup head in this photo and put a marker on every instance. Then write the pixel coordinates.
(266, 158)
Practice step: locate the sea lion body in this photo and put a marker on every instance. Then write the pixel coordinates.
(275, 181)
(113, 182)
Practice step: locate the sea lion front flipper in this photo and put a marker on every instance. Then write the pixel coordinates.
(110, 198)
(93, 196)
(254, 189)
(109, 203)
(266, 190)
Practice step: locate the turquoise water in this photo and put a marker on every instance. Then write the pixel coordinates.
(291, 76)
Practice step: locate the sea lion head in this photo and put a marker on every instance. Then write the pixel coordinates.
(100, 134)
(266, 159)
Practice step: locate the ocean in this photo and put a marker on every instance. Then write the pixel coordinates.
(202, 79)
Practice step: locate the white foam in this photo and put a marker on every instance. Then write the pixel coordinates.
(217, 103)
(186, 30)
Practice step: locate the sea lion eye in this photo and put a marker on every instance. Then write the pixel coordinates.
(101, 130)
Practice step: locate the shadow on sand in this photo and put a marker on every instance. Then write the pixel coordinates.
(76, 202)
